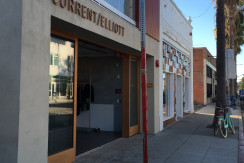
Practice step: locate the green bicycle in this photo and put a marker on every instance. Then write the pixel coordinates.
(223, 122)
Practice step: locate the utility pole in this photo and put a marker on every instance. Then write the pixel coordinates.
(144, 80)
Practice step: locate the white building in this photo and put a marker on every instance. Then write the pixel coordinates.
(176, 77)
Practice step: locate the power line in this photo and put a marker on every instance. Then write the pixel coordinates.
(204, 11)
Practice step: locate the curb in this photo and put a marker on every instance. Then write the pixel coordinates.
(241, 141)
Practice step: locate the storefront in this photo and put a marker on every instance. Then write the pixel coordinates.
(71, 75)
(97, 67)
(176, 77)
(86, 87)
(73, 69)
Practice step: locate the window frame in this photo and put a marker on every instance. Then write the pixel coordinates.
(209, 72)
(115, 11)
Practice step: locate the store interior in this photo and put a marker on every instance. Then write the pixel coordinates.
(99, 96)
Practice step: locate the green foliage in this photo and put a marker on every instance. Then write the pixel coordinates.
(234, 17)
(241, 84)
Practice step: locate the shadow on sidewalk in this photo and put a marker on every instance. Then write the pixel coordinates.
(187, 140)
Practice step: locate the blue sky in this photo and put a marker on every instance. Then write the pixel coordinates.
(203, 22)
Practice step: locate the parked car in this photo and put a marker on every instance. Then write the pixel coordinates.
(242, 96)
(241, 91)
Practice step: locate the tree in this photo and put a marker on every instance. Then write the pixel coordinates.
(241, 84)
(220, 62)
(233, 31)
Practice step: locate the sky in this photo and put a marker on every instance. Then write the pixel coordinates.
(203, 17)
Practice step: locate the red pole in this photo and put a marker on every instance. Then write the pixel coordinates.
(144, 104)
(144, 81)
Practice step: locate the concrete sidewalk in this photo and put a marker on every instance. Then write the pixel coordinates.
(188, 140)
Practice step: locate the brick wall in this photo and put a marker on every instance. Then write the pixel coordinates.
(198, 81)
(200, 56)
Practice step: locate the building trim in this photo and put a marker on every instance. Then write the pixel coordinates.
(168, 42)
(210, 65)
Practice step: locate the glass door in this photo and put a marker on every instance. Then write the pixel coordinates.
(62, 100)
(134, 97)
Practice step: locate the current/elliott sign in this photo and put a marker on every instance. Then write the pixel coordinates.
(90, 15)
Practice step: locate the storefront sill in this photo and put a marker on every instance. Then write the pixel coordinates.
(167, 118)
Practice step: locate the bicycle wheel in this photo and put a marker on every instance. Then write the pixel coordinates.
(231, 126)
(223, 130)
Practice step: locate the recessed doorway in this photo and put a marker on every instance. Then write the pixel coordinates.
(99, 96)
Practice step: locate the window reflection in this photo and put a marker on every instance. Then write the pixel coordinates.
(61, 103)
(125, 6)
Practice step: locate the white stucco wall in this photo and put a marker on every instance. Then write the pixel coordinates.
(175, 30)
(10, 45)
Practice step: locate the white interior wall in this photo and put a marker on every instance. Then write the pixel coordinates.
(102, 116)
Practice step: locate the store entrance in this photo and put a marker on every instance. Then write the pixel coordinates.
(99, 96)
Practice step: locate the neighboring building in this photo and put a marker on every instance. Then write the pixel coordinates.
(204, 76)
(177, 58)
(71, 69)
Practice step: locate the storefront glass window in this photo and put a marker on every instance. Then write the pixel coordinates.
(133, 93)
(165, 95)
(125, 6)
(51, 59)
(61, 101)
(56, 59)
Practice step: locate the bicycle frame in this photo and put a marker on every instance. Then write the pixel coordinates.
(227, 120)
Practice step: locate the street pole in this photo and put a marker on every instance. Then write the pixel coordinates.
(228, 84)
(144, 80)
